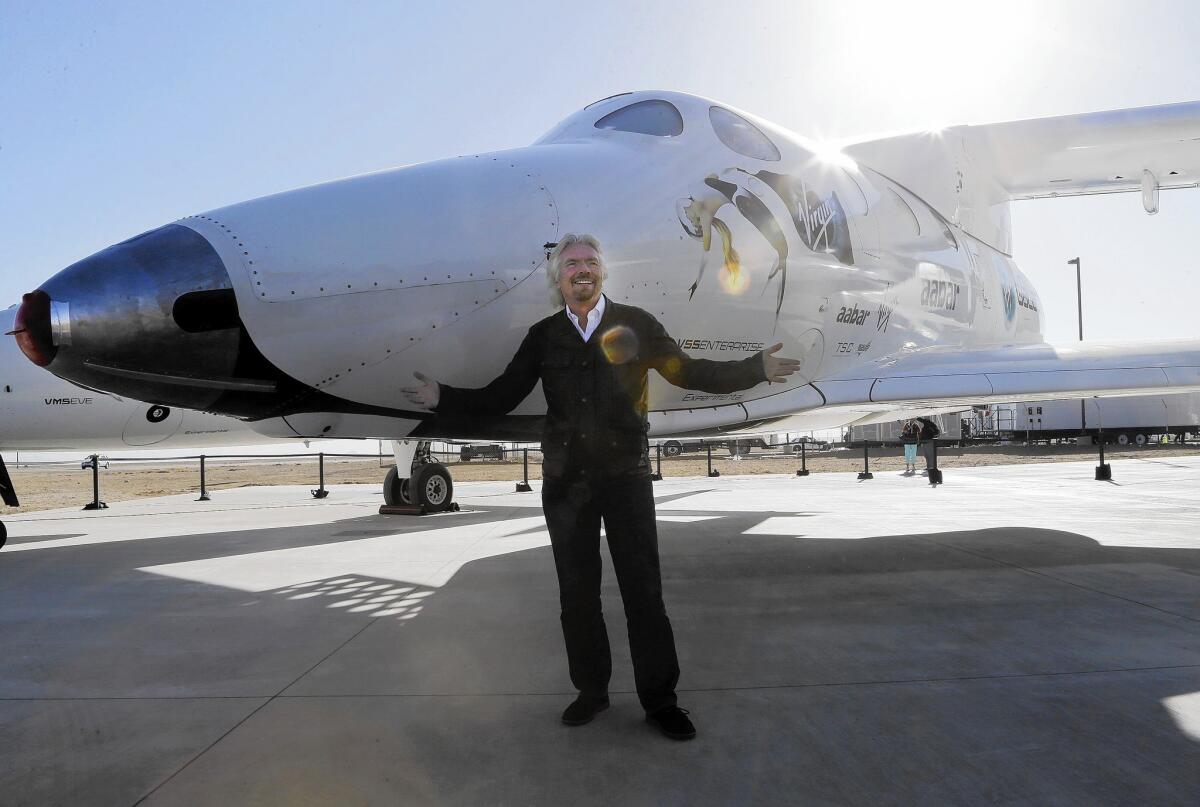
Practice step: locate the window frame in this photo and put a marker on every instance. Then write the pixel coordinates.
(717, 129)
(644, 103)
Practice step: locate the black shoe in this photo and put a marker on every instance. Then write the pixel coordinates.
(583, 709)
(673, 722)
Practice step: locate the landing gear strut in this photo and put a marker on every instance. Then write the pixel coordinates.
(428, 484)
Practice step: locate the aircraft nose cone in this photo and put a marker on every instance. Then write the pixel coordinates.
(140, 318)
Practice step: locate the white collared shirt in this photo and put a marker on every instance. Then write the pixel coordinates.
(594, 317)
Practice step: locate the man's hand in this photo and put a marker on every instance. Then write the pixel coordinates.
(427, 394)
(777, 368)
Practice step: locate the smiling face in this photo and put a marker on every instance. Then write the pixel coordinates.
(580, 276)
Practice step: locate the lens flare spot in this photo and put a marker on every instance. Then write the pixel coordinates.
(733, 279)
(619, 344)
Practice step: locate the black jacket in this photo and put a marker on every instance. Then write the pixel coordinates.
(929, 430)
(596, 390)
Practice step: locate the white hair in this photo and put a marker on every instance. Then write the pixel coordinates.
(554, 265)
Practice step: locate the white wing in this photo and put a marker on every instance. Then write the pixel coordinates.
(937, 376)
(970, 173)
(952, 379)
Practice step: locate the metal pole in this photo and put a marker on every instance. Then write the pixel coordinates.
(711, 472)
(95, 504)
(1079, 308)
(803, 456)
(523, 486)
(1078, 293)
(203, 489)
(657, 476)
(866, 471)
(320, 492)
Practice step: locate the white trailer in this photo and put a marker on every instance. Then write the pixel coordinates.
(950, 426)
(1133, 420)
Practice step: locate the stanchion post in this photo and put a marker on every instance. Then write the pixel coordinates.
(866, 471)
(803, 459)
(320, 492)
(711, 471)
(1103, 470)
(657, 475)
(95, 503)
(523, 486)
(203, 489)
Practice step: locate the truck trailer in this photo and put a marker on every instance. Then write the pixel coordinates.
(949, 426)
(1130, 420)
(1133, 420)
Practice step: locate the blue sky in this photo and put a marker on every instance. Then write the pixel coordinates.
(119, 117)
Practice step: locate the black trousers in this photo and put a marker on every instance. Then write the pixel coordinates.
(574, 508)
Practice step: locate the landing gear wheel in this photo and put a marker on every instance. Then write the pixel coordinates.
(432, 488)
(1140, 439)
(672, 448)
(395, 489)
(1122, 439)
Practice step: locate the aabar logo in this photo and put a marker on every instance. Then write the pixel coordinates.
(939, 295)
(884, 317)
(853, 315)
(67, 401)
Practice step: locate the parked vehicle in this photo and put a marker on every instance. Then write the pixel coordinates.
(736, 448)
(949, 431)
(482, 452)
(809, 443)
(1133, 420)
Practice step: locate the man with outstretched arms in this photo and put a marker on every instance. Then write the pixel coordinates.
(592, 359)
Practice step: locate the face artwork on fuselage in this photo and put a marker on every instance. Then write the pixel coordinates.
(779, 207)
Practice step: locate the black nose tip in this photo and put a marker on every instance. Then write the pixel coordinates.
(32, 328)
(143, 318)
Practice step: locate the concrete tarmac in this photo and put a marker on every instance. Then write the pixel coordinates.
(1018, 635)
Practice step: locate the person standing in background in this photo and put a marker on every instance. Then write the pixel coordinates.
(910, 436)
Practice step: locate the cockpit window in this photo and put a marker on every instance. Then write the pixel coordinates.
(658, 118)
(741, 135)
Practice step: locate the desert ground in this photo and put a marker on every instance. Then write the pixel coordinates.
(42, 487)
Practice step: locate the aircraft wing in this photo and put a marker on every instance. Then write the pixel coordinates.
(970, 173)
(937, 377)
(1101, 152)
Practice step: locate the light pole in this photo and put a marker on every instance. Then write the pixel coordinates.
(1078, 294)
(1079, 303)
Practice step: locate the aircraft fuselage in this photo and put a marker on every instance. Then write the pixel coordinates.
(305, 311)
